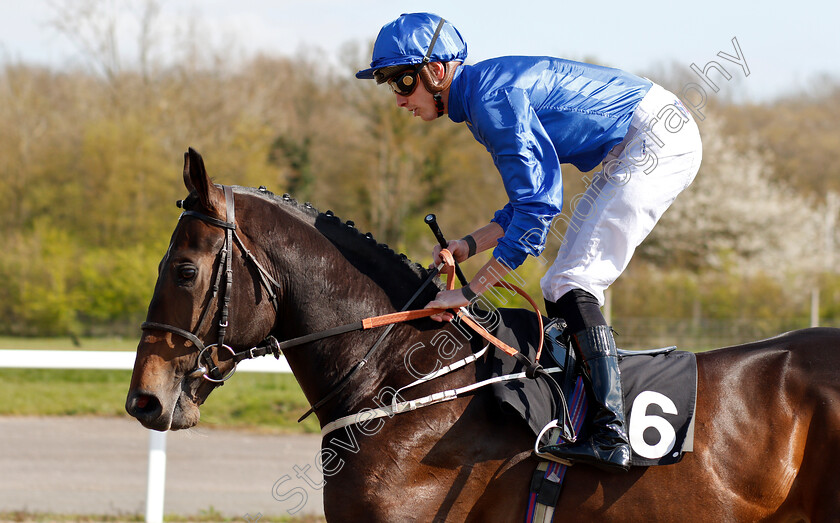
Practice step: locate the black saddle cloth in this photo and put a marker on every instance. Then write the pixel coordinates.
(659, 386)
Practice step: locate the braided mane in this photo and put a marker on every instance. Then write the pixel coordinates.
(395, 272)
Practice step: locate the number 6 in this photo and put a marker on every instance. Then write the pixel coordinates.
(640, 421)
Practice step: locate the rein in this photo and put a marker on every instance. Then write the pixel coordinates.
(447, 267)
(208, 369)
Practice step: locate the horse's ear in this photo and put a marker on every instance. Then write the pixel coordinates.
(187, 182)
(195, 178)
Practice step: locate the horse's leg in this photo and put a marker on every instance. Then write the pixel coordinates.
(815, 495)
(496, 450)
(767, 434)
(817, 373)
(767, 430)
(824, 463)
(407, 471)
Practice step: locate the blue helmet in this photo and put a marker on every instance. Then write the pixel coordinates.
(406, 41)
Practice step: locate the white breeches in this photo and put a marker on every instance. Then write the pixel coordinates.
(639, 180)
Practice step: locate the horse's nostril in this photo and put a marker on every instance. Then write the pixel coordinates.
(142, 401)
(145, 406)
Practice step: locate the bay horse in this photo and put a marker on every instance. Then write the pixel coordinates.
(767, 434)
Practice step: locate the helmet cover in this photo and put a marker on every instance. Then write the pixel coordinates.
(406, 40)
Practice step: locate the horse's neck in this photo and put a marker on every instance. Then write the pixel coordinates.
(319, 367)
(329, 285)
(329, 292)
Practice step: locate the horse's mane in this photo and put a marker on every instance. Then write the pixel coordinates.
(361, 249)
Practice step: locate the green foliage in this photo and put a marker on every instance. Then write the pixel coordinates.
(90, 166)
(40, 295)
(68, 343)
(802, 134)
(710, 294)
(267, 402)
(829, 286)
(117, 286)
(709, 309)
(298, 156)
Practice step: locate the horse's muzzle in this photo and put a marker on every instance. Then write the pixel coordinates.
(148, 410)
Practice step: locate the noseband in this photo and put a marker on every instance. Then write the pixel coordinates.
(206, 367)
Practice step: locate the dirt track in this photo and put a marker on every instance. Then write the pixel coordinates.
(99, 466)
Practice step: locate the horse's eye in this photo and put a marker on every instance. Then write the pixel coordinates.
(186, 272)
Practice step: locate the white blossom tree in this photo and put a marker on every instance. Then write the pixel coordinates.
(735, 217)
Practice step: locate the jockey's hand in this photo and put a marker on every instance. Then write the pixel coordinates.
(459, 248)
(447, 300)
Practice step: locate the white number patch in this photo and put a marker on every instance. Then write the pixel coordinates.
(640, 421)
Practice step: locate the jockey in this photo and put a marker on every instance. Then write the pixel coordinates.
(534, 114)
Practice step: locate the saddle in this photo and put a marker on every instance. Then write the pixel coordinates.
(659, 386)
(660, 389)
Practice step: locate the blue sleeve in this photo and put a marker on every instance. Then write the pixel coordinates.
(503, 216)
(507, 124)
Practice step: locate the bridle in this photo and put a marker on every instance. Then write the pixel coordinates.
(206, 367)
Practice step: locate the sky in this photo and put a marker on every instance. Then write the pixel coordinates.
(787, 47)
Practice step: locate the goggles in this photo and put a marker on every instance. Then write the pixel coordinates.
(405, 82)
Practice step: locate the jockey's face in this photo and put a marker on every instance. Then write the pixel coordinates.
(420, 102)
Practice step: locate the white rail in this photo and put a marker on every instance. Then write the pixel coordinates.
(124, 360)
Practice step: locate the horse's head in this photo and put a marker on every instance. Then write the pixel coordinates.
(184, 352)
(218, 296)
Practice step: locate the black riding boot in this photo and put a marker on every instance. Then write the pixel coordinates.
(608, 447)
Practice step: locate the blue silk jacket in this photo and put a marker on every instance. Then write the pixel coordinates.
(533, 114)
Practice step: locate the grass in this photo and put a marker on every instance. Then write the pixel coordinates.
(205, 516)
(107, 343)
(255, 401)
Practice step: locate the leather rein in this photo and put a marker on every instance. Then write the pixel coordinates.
(209, 370)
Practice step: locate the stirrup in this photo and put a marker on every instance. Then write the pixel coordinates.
(555, 434)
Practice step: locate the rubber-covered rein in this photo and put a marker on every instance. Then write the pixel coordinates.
(448, 268)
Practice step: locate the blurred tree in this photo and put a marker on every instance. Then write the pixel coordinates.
(802, 133)
(90, 165)
(735, 214)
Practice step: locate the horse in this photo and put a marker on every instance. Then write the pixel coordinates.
(767, 418)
